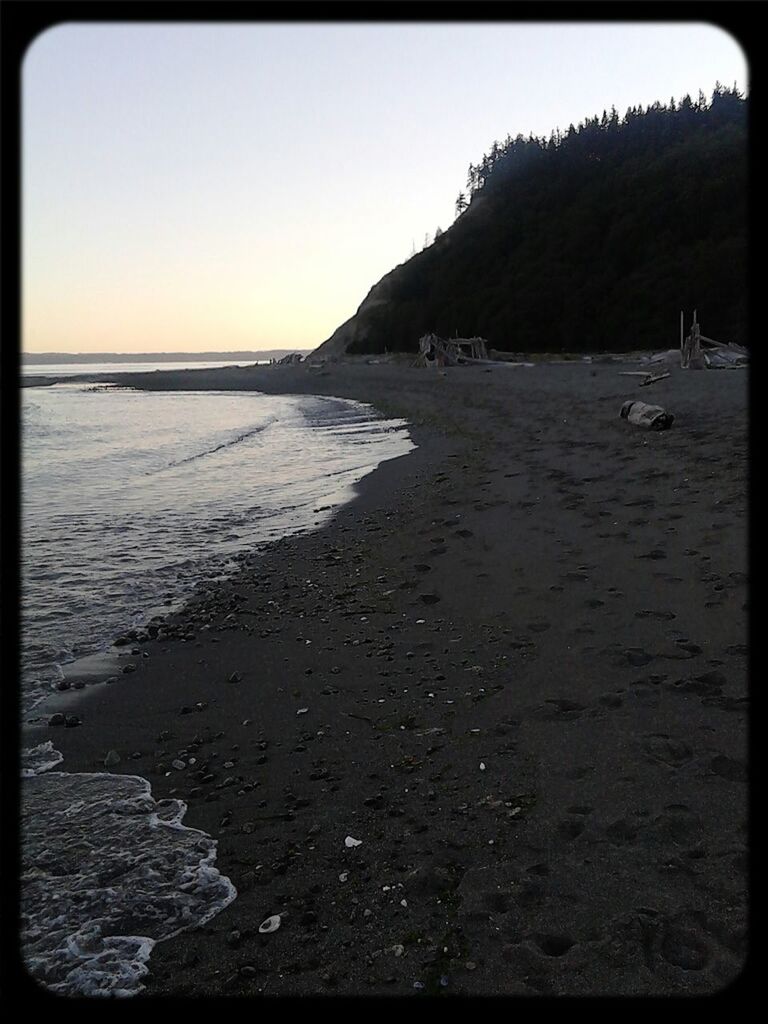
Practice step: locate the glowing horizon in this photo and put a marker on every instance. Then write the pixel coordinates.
(204, 188)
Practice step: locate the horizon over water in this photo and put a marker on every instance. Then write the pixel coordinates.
(72, 369)
(129, 500)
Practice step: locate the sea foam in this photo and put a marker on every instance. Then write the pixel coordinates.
(108, 872)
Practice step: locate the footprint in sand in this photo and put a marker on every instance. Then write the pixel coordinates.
(667, 750)
(622, 831)
(559, 710)
(684, 946)
(555, 944)
(731, 768)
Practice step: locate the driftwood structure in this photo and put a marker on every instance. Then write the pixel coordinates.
(697, 352)
(436, 351)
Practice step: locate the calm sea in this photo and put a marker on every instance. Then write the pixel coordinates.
(129, 499)
(75, 369)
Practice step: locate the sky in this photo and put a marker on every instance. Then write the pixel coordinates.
(211, 187)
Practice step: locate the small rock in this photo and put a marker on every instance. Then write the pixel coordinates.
(111, 759)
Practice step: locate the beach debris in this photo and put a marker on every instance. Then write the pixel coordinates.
(651, 417)
(111, 759)
(302, 711)
(350, 843)
(648, 378)
(698, 352)
(234, 678)
(439, 352)
(652, 379)
(271, 924)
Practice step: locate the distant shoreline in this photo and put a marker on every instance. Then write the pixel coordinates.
(44, 358)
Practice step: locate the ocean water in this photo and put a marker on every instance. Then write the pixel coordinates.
(74, 369)
(128, 500)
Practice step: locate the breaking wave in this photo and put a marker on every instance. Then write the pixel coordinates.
(108, 873)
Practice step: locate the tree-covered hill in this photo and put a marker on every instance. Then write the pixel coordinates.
(591, 240)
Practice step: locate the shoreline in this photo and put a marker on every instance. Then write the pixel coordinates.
(549, 769)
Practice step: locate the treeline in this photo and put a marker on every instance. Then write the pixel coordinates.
(592, 239)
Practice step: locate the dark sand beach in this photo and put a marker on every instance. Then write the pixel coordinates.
(514, 668)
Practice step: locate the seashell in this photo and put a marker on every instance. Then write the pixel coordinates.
(270, 925)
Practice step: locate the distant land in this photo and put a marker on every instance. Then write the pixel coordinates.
(29, 358)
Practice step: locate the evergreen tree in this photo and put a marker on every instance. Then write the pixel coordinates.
(645, 212)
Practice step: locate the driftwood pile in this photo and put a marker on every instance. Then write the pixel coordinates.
(436, 351)
(697, 352)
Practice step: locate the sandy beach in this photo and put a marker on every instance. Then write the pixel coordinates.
(514, 668)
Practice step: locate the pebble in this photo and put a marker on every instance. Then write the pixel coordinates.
(111, 759)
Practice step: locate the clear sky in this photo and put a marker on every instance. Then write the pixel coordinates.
(192, 187)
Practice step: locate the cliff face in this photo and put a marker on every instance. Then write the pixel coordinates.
(592, 242)
(360, 329)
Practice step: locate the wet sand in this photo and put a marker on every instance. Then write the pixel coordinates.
(514, 668)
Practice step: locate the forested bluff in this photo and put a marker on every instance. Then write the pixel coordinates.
(591, 240)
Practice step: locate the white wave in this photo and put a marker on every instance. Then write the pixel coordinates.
(108, 872)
